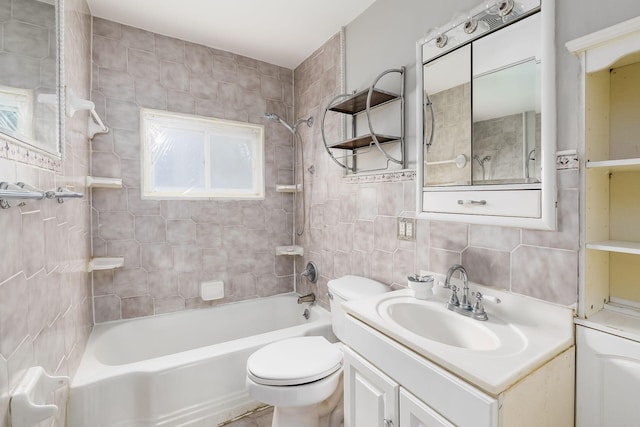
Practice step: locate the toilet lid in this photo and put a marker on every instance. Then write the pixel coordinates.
(294, 361)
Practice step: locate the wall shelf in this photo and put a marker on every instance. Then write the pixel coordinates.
(616, 246)
(101, 182)
(362, 103)
(624, 165)
(105, 263)
(290, 250)
(288, 188)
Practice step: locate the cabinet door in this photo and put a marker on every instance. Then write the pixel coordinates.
(370, 397)
(608, 368)
(415, 413)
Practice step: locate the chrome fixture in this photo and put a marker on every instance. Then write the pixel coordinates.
(297, 142)
(311, 272)
(531, 157)
(475, 311)
(293, 129)
(441, 40)
(310, 298)
(481, 162)
(306, 314)
(505, 7)
(22, 191)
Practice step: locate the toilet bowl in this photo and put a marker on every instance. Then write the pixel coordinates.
(302, 377)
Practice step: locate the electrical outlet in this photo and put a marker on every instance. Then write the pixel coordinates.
(402, 229)
(407, 229)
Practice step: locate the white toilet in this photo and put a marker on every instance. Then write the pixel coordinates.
(302, 377)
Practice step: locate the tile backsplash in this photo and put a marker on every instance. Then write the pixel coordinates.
(171, 246)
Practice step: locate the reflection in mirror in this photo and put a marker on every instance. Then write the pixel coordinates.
(506, 134)
(447, 118)
(28, 73)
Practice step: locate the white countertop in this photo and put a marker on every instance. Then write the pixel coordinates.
(531, 333)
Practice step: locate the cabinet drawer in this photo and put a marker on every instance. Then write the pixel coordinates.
(515, 203)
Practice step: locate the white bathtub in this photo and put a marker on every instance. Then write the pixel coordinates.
(185, 368)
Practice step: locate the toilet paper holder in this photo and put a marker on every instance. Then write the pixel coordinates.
(29, 400)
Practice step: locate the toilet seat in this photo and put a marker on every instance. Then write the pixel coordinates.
(294, 361)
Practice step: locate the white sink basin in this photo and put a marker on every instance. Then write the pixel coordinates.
(520, 335)
(437, 323)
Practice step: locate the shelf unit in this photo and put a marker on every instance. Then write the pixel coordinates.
(361, 104)
(105, 263)
(610, 178)
(290, 250)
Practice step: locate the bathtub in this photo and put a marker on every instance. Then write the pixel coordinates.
(185, 368)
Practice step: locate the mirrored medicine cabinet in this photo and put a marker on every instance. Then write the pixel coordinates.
(30, 74)
(486, 135)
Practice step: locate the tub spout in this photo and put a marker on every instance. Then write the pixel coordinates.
(307, 298)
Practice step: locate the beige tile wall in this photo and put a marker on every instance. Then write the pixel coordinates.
(45, 293)
(352, 226)
(172, 246)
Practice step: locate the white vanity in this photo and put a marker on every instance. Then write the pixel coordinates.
(414, 363)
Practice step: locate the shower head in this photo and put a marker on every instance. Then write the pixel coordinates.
(277, 119)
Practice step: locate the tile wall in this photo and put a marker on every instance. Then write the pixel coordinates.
(352, 225)
(171, 246)
(45, 293)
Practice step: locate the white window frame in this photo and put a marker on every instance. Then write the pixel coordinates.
(207, 125)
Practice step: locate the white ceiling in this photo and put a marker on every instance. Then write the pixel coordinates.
(281, 32)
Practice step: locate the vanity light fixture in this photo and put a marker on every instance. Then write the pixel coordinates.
(505, 7)
(470, 25)
(441, 40)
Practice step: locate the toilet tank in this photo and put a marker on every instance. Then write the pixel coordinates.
(348, 288)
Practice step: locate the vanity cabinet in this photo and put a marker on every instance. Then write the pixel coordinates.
(370, 396)
(387, 385)
(373, 399)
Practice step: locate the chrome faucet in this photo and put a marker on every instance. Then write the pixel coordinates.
(464, 303)
(311, 298)
(463, 306)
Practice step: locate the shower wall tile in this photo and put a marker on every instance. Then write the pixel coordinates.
(44, 316)
(170, 246)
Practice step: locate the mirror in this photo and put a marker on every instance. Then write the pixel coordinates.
(486, 139)
(483, 118)
(29, 77)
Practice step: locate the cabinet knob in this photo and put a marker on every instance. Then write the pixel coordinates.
(387, 423)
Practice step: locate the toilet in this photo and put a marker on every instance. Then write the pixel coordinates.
(302, 376)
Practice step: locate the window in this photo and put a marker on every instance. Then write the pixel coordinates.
(191, 157)
(16, 113)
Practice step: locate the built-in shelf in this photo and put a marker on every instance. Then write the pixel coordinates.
(105, 263)
(357, 103)
(616, 246)
(624, 165)
(363, 141)
(288, 188)
(101, 182)
(290, 250)
(623, 323)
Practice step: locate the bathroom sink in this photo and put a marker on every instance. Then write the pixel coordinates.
(520, 335)
(434, 322)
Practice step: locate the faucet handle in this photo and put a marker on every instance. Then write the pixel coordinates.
(480, 297)
(453, 300)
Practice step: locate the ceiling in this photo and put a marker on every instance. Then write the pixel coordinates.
(281, 32)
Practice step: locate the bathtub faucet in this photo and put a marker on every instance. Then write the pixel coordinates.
(307, 298)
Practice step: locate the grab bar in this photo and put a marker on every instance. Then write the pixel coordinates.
(21, 191)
